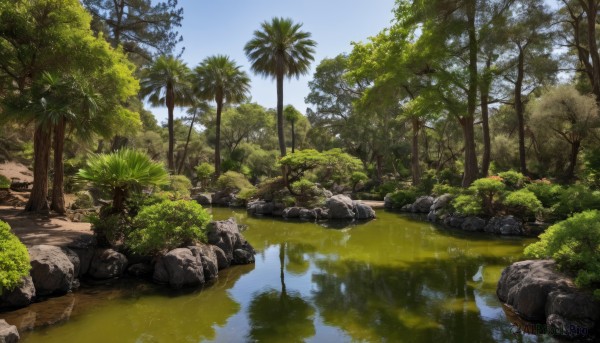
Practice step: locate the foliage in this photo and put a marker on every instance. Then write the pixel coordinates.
(270, 188)
(386, 188)
(168, 225)
(232, 181)
(403, 197)
(574, 199)
(247, 194)
(179, 185)
(110, 227)
(523, 204)
(488, 190)
(548, 194)
(4, 182)
(467, 204)
(357, 178)
(204, 171)
(83, 199)
(428, 181)
(575, 245)
(14, 259)
(513, 180)
(442, 188)
(303, 187)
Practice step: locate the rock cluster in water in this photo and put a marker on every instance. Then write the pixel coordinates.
(538, 293)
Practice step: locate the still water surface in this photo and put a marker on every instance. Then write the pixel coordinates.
(389, 280)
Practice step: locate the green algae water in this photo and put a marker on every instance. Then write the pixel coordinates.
(392, 279)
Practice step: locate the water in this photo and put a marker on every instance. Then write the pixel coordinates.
(389, 280)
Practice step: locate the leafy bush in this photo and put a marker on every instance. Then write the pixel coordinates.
(575, 245)
(442, 188)
(14, 259)
(168, 225)
(488, 190)
(513, 180)
(523, 204)
(269, 188)
(428, 181)
(547, 193)
(110, 228)
(247, 194)
(467, 204)
(204, 171)
(83, 200)
(232, 181)
(403, 197)
(179, 186)
(386, 188)
(4, 182)
(358, 178)
(303, 187)
(306, 193)
(574, 199)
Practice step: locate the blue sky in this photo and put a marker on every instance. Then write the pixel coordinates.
(224, 26)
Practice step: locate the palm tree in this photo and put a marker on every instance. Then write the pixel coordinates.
(292, 115)
(220, 79)
(166, 82)
(280, 49)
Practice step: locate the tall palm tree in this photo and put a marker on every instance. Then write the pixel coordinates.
(167, 82)
(220, 79)
(280, 50)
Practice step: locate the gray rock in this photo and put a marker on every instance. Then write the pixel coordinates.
(508, 225)
(292, 212)
(225, 234)
(422, 204)
(203, 199)
(222, 198)
(260, 207)
(441, 202)
(327, 193)
(85, 252)
(406, 208)
(307, 214)
(140, 269)
(51, 270)
(362, 211)
(74, 258)
(473, 224)
(566, 311)
(242, 256)
(340, 207)
(454, 221)
(179, 268)
(387, 201)
(107, 264)
(21, 296)
(210, 263)
(8, 333)
(222, 261)
(278, 209)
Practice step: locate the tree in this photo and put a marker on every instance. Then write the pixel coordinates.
(570, 116)
(143, 27)
(220, 79)
(280, 50)
(167, 82)
(292, 115)
(195, 110)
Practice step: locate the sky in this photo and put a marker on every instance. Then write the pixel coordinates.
(213, 27)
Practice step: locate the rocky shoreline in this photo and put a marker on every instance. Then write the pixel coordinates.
(56, 271)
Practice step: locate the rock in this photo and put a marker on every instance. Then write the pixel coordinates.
(21, 296)
(107, 264)
(441, 202)
(406, 208)
(52, 271)
(278, 209)
(242, 256)
(473, 224)
(321, 212)
(8, 333)
(260, 207)
(84, 248)
(179, 268)
(203, 199)
(422, 204)
(222, 198)
(210, 263)
(340, 207)
(307, 214)
(225, 234)
(508, 225)
(327, 193)
(387, 201)
(362, 211)
(572, 315)
(222, 261)
(292, 212)
(74, 258)
(454, 221)
(140, 269)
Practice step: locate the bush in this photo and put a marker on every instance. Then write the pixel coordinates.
(513, 180)
(232, 182)
(574, 199)
(488, 190)
(168, 225)
(304, 187)
(247, 194)
(428, 181)
(83, 200)
(270, 188)
(110, 228)
(204, 171)
(403, 197)
(179, 186)
(523, 204)
(4, 182)
(575, 245)
(547, 193)
(14, 259)
(358, 178)
(468, 205)
(441, 189)
(386, 188)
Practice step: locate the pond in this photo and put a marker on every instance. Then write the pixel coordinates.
(392, 279)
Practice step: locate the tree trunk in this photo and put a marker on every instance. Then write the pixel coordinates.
(218, 138)
(379, 163)
(38, 200)
(293, 137)
(187, 142)
(118, 143)
(519, 110)
(119, 197)
(170, 101)
(414, 158)
(592, 13)
(485, 121)
(570, 174)
(280, 114)
(470, 164)
(58, 192)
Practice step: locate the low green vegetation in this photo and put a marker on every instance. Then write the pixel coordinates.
(4, 182)
(575, 245)
(14, 259)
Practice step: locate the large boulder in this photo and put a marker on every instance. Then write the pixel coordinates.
(292, 212)
(508, 226)
(203, 199)
(387, 201)
(178, 268)
(107, 264)
(422, 204)
(340, 207)
(8, 333)
(441, 202)
(260, 207)
(21, 296)
(539, 293)
(226, 235)
(52, 271)
(454, 221)
(308, 214)
(208, 256)
(140, 269)
(363, 211)
(84, 248)
(222, 198)
(473, 224)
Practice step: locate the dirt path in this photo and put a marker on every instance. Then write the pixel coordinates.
(53, 230)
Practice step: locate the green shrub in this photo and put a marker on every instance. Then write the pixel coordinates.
(488, 190)
(4, 182)
(513, 180)
(386, 188)
(83, 199)
(403, 197)
(575, 245)
(179, 186)
(247, 194)
(546, 192)
(14, 259)
(232, 181)
(442, 188)
(269, 188)
(168, 225)
(428, 181)
(523, 204)
(358, 178)
(204, 172)
(574, 199)
(303, 187)
(467, 204)
(110, 228)
(306, 193)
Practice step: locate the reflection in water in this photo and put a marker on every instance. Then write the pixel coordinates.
(390, 279)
